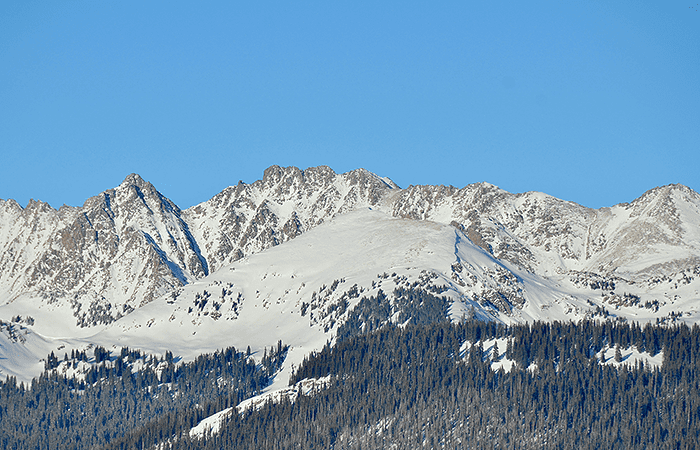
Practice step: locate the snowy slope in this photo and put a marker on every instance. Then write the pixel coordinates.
(295, 292)
(289, 256)
(117, 252)
(301, 292)
(246, 219)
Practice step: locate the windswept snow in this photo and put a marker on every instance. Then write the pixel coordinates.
(211, 424)
(300, 292)
(307, 386)
(630, 356)
(493, 350)
(286, 257)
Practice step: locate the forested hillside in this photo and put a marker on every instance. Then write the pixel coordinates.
(399, 387)
(427, 382)
(125, 392)
(410, 388)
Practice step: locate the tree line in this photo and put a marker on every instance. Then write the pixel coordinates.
(407, 387)
(401, 384)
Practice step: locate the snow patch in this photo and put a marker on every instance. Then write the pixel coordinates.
(629, 356)
(307, 386)
(211, 424)
(492, 349)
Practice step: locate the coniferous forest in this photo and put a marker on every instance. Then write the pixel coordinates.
(160, 399)
(412, 386)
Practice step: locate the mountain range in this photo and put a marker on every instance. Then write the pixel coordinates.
(292, 256)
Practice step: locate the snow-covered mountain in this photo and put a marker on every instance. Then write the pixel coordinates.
(248, 218)
(296, 255)
(120, 250)
(657, 234)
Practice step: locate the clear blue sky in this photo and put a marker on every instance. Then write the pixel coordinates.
(589, 101)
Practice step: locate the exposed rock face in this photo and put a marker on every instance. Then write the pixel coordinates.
(248, 218)
(26, 234)
(656, 234)
(120, 250)
(129, 245)
(488, 215)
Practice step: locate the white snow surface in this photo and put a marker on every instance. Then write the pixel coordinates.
(210, 424)
(310, 240)
(307, 386)
(260, 299)
(630, 356)
(489, 350)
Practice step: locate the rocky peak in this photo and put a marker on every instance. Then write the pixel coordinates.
(121, 249)
(129, 244)
(319, 175)
(275, 174)
(655, 233)
(37, 206)
(10, 205)
(136, 189)
(661, 200)
(10, 210)
(286, 202)
(363, 176)
(282, 182)
(135, 179)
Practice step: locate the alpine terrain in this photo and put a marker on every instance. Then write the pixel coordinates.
(303, 261)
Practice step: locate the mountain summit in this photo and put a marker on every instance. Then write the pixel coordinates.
(129, 260)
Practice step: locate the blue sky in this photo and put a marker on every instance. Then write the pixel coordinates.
(589, 101)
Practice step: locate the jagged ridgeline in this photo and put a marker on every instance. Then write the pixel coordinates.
(310, 256)
(129, 245)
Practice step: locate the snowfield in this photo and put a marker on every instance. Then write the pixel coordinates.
(301, 291)
(288, 257)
